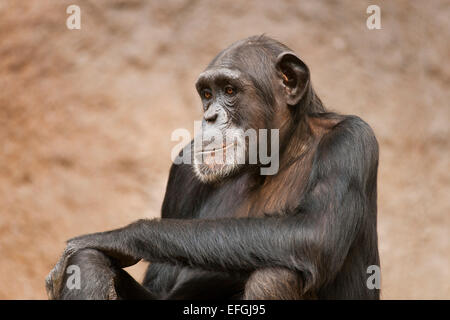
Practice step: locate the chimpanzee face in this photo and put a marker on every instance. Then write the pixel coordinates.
(244, 89)
(222, 149)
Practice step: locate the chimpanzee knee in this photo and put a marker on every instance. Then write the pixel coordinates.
(89, 274)
(273, 284)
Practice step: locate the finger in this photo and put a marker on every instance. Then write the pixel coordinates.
(54, 279)
(49, 287)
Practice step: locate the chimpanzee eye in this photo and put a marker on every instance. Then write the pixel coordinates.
(206, 94)
(229, 90)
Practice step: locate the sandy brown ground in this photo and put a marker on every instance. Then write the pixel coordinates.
(86, 117)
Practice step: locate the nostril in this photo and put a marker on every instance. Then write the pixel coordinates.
(211, 117)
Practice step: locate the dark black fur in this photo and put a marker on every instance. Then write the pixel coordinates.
(308, 232)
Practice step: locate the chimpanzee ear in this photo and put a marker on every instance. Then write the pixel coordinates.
(295, 76)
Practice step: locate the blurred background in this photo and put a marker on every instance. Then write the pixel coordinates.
(86, 117)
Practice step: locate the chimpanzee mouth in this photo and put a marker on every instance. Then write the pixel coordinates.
(224, 147)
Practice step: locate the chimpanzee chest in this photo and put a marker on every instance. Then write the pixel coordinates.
(242, 197)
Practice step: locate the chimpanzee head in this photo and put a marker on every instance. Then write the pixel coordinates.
(256, 83)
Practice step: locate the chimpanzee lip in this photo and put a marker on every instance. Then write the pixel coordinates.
(214, 150)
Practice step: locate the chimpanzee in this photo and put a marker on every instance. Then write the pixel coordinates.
(306, 231)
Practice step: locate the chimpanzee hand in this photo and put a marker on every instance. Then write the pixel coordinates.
(111, 243)
(106, 242)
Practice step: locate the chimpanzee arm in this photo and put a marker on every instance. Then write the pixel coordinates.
(313, 240)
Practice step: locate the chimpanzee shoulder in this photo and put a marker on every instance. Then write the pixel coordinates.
(348, 150)
(185, 193)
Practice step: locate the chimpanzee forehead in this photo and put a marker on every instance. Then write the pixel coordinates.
(238, 63)
(211, 74)
(242, 57)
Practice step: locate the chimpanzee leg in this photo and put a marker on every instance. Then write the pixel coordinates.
(274, 284)
(100, 279)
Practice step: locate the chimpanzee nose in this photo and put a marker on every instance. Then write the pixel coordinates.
(210, 115)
